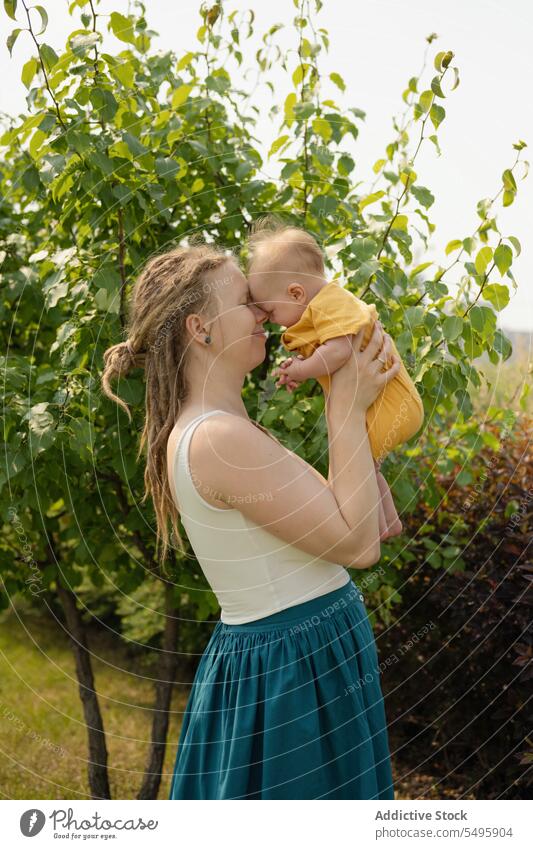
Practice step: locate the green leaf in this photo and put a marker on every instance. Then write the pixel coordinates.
(490, 440)
(437, 114)
(299, 74)
(338, 80)
(346, 165)
(40, 423)
(293, 419)
(436, 87)
(524, 394)
(372, 198)
(447, 59)
(55, 288)
(29, 71)
(509, 180)
(11, 39)
(104, 103)
(49, 56)
(322, 128)
(185, 61)
(503, 257)
(426, 99)
(180, 95)
(81, 44)
(423, 196)
(452, 327)
(497, 295)
(482, 260)
(169, 168)
(288, 108)
(483, 320)
(122, 27)
(437, 62)
(276, 145)
(303, 111)
(124, 73)
(36, 142)
(508, 197)
(454, 245)
(134, 144)
(44, 18)
(107, 278)
(516, 244)
(81, 438)
(502, 345)
(418, 269)
(11, 7)
(324, 205)
(365, 271)
(450, 551)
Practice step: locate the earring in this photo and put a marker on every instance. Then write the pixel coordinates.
(208, 339)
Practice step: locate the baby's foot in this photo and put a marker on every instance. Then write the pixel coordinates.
(393, 529)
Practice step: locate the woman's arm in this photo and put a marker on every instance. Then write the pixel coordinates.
(276, 489)
(352, 475)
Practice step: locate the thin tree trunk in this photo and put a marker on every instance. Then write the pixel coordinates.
(97, 764)
(163, 695)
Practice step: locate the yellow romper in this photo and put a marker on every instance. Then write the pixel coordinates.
(398, 412)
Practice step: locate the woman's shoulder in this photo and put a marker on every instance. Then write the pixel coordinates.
(195, 450)
(216, 426)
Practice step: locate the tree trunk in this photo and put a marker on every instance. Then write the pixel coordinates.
(97, 764)
(163, 695)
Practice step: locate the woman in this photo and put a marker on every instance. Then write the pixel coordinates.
(286, 701)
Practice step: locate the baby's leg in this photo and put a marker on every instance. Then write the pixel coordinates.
(391, 520)
(383, 527)
(396, 414)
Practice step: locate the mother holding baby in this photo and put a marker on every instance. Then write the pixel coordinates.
(286, 701)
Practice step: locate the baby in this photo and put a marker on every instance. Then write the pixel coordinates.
(286, 279)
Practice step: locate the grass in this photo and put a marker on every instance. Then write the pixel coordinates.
(44, 740)
(507, 380)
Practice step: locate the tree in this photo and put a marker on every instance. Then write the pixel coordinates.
(120, 155)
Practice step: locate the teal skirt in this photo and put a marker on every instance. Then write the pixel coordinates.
(288, 707)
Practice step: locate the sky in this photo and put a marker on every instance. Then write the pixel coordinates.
(376, 46)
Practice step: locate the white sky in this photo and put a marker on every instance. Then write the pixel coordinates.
(376, 46)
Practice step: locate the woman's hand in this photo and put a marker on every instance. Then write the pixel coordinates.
(361, 375)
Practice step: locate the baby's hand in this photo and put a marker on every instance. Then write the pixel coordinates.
(289, 373)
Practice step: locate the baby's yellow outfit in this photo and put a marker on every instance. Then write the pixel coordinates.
(398, 412)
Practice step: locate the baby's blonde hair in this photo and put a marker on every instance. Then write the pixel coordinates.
(269, 231)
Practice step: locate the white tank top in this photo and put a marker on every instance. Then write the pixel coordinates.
(251, 572)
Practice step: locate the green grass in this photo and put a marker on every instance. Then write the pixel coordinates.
(44, 743)
(506, 381)
(44, 740)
